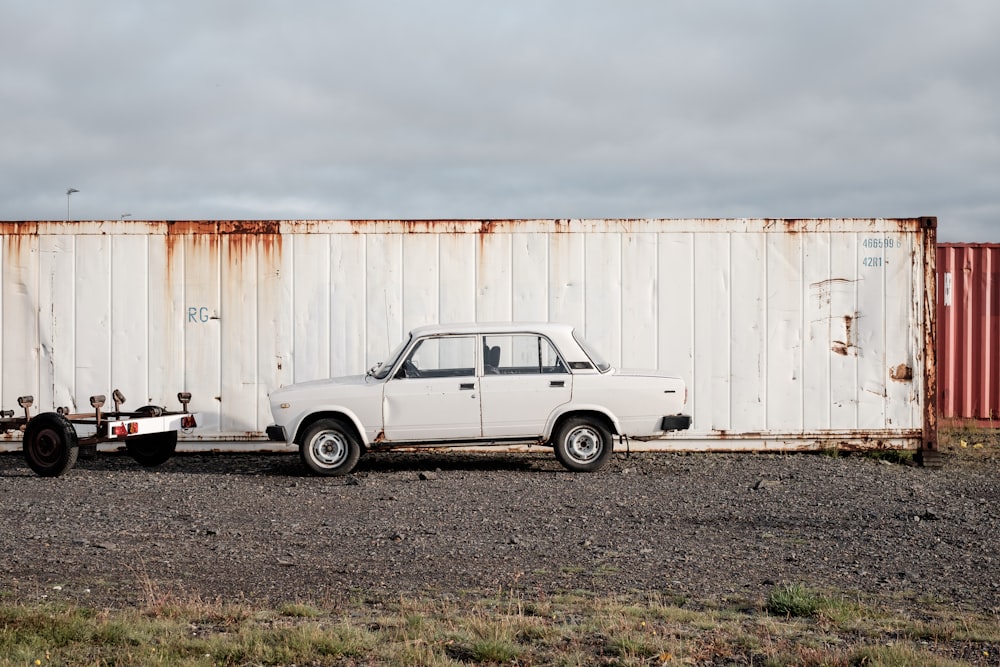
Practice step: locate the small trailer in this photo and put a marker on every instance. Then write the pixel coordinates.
(52, 444)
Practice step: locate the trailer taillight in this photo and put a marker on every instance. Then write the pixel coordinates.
(122, 430)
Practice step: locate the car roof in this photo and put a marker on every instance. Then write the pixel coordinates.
(547, 328)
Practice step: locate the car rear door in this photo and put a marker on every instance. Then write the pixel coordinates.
(524, 380)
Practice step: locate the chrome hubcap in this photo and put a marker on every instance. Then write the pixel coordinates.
(329, 449)
(583, 444)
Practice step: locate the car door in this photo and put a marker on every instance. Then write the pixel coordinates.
(524, 380)
(434, 394)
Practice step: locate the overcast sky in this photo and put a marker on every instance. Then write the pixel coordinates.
(325, 109)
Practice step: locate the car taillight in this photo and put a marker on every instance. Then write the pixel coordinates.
(188, 421)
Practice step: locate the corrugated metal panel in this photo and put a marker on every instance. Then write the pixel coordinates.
(969, 331)
(790, 333)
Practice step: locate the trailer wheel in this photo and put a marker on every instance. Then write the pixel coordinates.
(153, 449)
(50, 444)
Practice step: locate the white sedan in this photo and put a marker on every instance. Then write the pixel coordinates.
(480, 384)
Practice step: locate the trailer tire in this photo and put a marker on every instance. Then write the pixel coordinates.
(50, 444)
(153, 449)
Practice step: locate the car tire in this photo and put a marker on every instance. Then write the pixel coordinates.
(583, 444)
(50, 444)
(329, 448)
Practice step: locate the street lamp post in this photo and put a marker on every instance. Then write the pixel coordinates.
(68, 193)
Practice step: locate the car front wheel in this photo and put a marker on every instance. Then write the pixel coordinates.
(329, 449)
(582, 444)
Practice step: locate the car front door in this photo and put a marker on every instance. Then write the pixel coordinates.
(524, 380)
(434, 394)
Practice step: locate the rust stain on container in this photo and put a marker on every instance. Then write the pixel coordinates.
(240, 246)
(253, 227)
(785, 225)
(489, 226)
(14, 245)
(191, 227)
(928, 244)
(842, 347)
(270, 245)
(822, 290)
(11, 229)
(901, 373)
(189, 237)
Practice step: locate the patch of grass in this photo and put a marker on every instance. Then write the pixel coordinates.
(793, 600)
(898, 656)
(633, 647)
(298, 610)
(897, 456)
(494, 651)
(793, 626)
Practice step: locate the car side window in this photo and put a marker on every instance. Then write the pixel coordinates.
(446, 356)
(520, 354)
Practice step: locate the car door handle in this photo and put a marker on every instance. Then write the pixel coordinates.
(467, 385)
(557, 383)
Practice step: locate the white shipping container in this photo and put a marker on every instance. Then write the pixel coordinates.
(791, 334)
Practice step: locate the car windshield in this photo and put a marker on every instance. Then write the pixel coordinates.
(592, 353)
(381, 370)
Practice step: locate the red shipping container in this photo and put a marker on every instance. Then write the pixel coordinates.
(968, 331)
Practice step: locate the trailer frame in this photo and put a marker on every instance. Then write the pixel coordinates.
(52, 445)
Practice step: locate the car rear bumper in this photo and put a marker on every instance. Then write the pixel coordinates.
(675, 423)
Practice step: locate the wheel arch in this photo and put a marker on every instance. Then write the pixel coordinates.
(589, 412)
(342, 416)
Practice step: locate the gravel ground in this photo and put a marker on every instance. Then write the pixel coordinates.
(257, 528)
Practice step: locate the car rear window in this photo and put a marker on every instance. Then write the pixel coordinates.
(594, 355)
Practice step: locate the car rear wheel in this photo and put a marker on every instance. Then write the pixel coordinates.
(329, 448)
(583, 444)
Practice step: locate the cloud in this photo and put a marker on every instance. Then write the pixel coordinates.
(519, 109)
